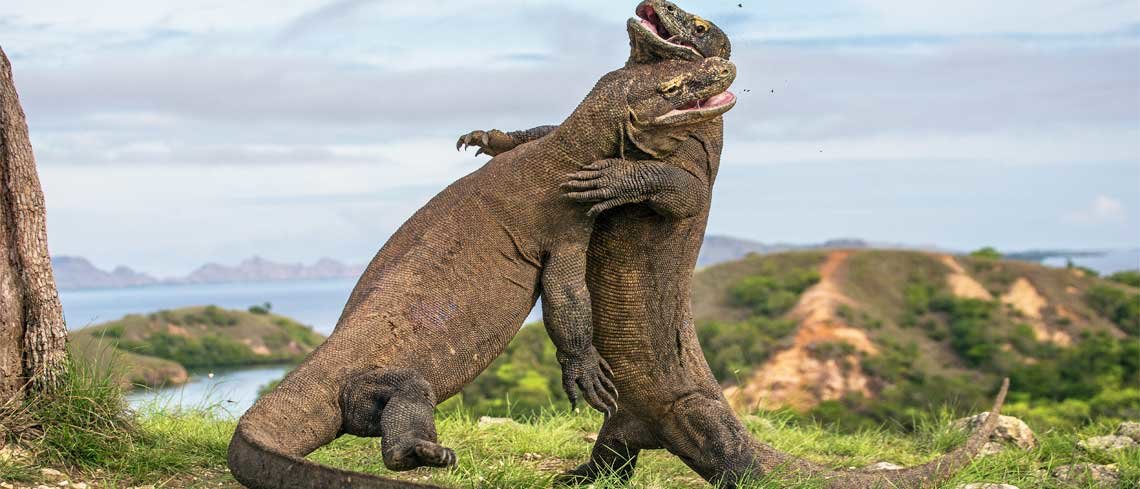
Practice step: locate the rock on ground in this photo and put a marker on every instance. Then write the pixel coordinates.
(1083, 473)
(1131, 430)
(1009, 430)
(1106, 443)
(486, 421)
(883, 466)
(986, 485)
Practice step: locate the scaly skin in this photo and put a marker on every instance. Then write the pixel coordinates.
(452, 286)
(641, 259)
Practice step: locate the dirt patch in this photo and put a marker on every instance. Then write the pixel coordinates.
(796, 378)
(962, 285)
(1025, 299)
(176, 330)
(257, 348)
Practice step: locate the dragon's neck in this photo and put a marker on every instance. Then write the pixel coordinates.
(593, 131)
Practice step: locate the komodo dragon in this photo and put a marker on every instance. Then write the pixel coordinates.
(452, 286)
(641, 260)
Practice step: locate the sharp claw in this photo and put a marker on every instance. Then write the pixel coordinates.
(480, 152)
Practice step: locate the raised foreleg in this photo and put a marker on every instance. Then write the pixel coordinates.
(496, 142)
(396, 405)
(677, 187)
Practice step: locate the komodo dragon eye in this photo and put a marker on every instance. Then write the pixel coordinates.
(701, 26)
(671, 87)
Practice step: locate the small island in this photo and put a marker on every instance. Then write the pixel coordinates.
(159, 349)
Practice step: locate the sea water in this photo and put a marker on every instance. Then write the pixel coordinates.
(317, 303)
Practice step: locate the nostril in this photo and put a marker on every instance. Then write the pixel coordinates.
(670, 8)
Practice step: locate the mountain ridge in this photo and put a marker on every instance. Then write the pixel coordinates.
(75, 273)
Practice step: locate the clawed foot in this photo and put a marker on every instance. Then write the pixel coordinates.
(605, 184)
(421, 453)
(580, 476)
(493, 142)
(435, 455)
(591, 375)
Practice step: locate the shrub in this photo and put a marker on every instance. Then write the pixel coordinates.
(769, 295)
(987, 253)
(207, 351)
(1130, 278)
(1119, 306)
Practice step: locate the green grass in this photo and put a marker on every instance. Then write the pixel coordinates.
(187, 449)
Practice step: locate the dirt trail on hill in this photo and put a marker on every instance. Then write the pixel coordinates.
(961, 284)
(794, 377)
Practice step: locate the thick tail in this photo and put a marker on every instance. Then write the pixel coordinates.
(927, 475)
(257, 465)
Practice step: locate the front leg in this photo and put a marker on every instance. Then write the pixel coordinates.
(496, 142)
(567, 316)
(666, 188)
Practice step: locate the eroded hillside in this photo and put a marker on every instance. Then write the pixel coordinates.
(882, 327)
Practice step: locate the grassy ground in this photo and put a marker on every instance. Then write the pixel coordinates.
(188, 450)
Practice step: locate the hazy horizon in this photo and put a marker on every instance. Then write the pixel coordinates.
(169, 135)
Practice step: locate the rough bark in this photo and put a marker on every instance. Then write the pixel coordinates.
(33, 336)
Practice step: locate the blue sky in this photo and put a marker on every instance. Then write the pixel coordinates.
(169, 134)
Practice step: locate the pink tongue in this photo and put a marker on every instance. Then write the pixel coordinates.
(649, 25)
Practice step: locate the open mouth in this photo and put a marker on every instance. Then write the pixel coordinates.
(648, 18)
(718, 100)
(714, 102)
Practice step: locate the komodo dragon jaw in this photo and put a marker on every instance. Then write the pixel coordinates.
(661, 116)
(661, 30)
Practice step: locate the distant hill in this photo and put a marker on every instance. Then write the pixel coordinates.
(837, 329)
(72, 272)
(158, 349)
(720, 249)
(78, 273)
(258, 269)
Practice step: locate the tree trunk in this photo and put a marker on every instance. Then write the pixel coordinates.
(33, 336)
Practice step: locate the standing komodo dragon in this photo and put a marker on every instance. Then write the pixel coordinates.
(641, 260)
(452, 286)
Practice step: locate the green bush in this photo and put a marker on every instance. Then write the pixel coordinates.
(1130, 278)
(1096, 364)
(733, 349)
(207, 351)
(770, 295)
(1121, 307)
(972, 334)
(987, 253)
(114, 331)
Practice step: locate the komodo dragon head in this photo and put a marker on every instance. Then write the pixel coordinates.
(661, 30)
(668, 98)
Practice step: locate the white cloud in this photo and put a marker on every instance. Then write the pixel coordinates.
(1103, 209)
(314, 127)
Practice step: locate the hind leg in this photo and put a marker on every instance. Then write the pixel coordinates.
(396, 405)
(620, 440)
